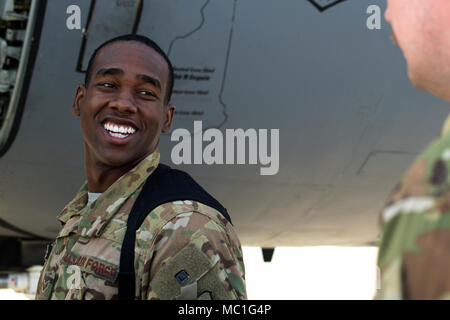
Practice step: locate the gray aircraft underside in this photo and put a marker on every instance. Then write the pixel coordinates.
(349, 120)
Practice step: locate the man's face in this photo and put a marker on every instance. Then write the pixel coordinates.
(421, 28)
(122, 110)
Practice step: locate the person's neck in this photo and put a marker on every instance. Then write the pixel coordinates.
(100, 176)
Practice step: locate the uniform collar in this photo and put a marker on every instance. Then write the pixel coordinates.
(104, 208)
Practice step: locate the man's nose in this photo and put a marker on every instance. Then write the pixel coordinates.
(124, 103)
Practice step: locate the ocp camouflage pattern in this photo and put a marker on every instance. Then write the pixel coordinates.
(84, 260)
(414, 251)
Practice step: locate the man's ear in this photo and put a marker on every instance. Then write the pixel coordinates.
(169, 112)
(79, 95)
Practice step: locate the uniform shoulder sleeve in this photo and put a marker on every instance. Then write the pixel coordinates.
(415, 229)
(197, 255)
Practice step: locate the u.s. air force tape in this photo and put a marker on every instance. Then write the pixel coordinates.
(93, 265)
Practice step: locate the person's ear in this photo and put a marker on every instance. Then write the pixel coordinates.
(79, 95)
(168, 112)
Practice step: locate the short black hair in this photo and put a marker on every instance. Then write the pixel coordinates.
(142, 39)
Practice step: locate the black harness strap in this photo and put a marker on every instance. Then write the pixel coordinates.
(163, 185)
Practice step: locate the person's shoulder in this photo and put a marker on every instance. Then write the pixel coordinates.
(415, 220)
(423, 193)
(197, 237)
(428, 176)
(438, 151)
(200, 214)
(418, 201)
(197, 214)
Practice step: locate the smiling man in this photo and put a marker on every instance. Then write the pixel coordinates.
(414, 253)
(137, 229)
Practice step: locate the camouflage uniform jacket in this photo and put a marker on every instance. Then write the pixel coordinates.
(181, 235)
(414, 252)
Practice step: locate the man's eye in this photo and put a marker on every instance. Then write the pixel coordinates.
(147, 93)
(106, 85)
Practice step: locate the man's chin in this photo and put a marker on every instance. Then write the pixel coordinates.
(419, 81)
(416, 80)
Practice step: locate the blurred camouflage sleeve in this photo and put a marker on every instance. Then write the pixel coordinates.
(196, 257)
(414, 251)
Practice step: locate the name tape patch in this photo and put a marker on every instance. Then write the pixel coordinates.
(98, 267)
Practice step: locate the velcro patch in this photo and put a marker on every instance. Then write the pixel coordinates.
(202, 271)
(189, 259)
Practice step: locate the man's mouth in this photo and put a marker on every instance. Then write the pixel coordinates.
(116, 130)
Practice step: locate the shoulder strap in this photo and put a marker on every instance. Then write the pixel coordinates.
(162, 186)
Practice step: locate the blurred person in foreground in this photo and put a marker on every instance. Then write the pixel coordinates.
(414, 252)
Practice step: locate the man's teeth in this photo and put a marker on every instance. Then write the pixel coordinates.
(119, 131)
(118, 135)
